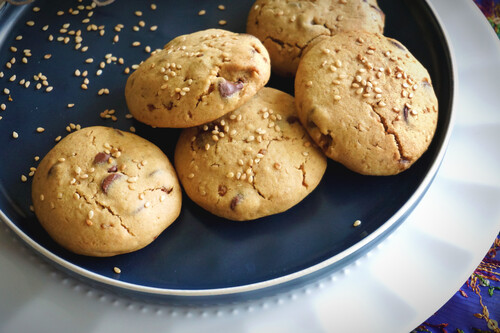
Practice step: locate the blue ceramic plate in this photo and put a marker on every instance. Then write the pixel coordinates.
(200, 255)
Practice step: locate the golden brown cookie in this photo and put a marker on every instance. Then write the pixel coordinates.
(102, 192)
(197, 78)
(256, 161)
(367, 102)
(287, 27)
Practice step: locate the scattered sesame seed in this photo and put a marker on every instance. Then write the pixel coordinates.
(153, 28)
(356, 223)
(49, 89)
(153, 6)
(117, 270)
(221, 7)
(40, 129)
(222, 22)
(23, 178)
(3, 106)
(15, 135)
(6, 91)
(138, 13)
(136, 43)
(30, 23)
(89, 60)
(202, 12)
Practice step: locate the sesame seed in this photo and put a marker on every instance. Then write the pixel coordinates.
(91, 214)
(42, 197)
(136, 43)
(3, 106)
(116, 39)
(23, 178)
(89, 60)
(153, 28)
(153, 6)
(337, 97)
(77, 72)
(30, 23)
(138, 13)
(356, 223)
(49, 89)
(6, 91)
(202, 12)
(19, 37)
(222, 22)
(117, 270)
(84, 86)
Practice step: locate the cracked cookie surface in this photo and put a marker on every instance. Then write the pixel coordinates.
(255, 161)
(197, 78)
(367, 102)
(102, 192)
(286, 27)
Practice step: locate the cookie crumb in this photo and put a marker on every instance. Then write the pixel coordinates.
(356, 223)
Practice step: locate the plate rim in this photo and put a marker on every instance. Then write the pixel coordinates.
(375, 237)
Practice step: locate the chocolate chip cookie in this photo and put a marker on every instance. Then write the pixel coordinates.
(255, 161)
(287, 27)
(197, 78)
(367, 102)
(102, 192)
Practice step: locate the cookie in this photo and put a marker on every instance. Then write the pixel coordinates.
(367, 102)
(256, 161)
(197, 78)
(102, 192)
(287, 27)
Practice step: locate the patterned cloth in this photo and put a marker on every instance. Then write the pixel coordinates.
(491, 9)
(476, 306)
